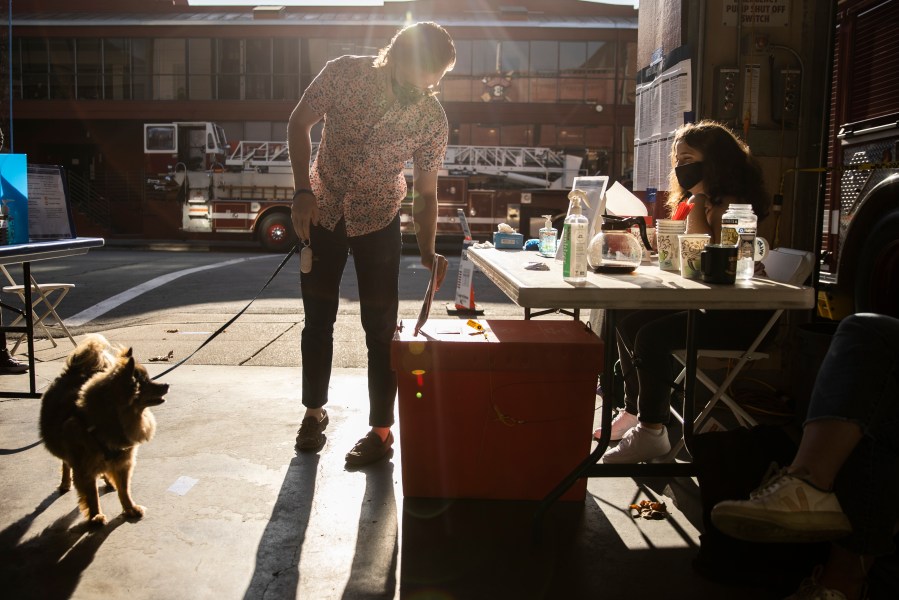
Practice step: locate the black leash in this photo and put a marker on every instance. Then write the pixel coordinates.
(234, 318)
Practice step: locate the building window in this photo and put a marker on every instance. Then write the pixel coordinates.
(62, 69)
(35, 69)
(141, 69)
(258, 69)
(89, 68)
(116, 69)
(285, 69)
(228, 69)
(169, 69)
(200, 63)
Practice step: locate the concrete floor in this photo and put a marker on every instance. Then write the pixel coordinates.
(234, 512)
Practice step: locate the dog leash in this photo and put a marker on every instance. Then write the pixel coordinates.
(232, 319)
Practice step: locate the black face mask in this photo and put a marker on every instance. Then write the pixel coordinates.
(406, 95)
(689, 175)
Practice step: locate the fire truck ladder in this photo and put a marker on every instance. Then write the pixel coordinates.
(528, 165)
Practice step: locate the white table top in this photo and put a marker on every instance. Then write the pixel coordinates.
(47, 250)
(648, 287)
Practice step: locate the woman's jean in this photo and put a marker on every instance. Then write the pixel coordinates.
(377, 259)
(646, 339)
(858, 383)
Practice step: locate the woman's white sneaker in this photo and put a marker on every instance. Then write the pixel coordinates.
(786, 508)
(640, 444)
(621, 424)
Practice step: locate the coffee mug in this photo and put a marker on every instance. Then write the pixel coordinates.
(718, 263)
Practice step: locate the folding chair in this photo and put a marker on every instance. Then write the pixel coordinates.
(784, 265)
(45, 297)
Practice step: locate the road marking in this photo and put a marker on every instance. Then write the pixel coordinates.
(89, 314)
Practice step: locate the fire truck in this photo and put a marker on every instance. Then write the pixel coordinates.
(861, 227)
(247, 187)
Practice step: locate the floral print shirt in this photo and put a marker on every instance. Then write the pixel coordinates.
(357, 174)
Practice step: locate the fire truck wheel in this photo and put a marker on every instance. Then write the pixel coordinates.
(276, 233)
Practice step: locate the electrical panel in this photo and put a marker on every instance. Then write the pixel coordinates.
(727, 83)
(785, 96)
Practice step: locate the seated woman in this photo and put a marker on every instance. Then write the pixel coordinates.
(850, 440)
(713, 168)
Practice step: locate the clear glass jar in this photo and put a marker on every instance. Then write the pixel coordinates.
(738, 228)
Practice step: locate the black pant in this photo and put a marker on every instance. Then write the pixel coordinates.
(646, 339)
(377, 259)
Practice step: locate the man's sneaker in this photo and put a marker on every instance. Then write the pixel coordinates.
(621, 424)
(9, 365)
(369, 449)
(311, 435)
(640, 444)
(784, 509)
(811, 589)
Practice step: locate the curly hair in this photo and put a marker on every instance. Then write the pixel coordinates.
(728, 167)
(426, 45)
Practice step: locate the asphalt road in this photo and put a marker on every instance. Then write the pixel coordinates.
(171, 300)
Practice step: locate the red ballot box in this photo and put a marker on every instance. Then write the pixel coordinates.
(505, 412)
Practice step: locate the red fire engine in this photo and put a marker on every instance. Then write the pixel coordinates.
(247, 188)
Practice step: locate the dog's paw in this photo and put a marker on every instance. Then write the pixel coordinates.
(63, 488)
(98, 520)
(135, 512)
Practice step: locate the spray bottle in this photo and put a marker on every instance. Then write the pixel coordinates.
(574, 240)
(548, 238)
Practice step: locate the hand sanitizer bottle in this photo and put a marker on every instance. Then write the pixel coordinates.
(548, 238)
(574, 241)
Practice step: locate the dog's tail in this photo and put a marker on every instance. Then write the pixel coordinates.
(93, 354)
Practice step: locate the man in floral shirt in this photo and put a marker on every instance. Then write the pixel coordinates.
(379, 112)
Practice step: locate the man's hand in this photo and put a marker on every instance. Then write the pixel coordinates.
(441, 263)
(303, 214)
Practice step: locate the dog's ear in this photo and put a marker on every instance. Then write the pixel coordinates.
(127, 353)
(127, 365)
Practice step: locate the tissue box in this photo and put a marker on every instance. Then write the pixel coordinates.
(502, 416)
(508, 241)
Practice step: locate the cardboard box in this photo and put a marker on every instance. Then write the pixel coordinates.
(506, 415)
(508, 241)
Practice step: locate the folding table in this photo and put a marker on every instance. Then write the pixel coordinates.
(25, 254)
(648, 287)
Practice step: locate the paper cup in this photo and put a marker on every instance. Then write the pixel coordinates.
(667, 246)
(690, 245)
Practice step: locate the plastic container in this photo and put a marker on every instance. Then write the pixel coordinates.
(574, 241)
(501, 415)
(548, 235)
(738, 228)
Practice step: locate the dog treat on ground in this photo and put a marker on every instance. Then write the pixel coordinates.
(163, 358)
(650, 510)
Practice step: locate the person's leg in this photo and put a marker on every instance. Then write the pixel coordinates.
(321, 293)
(377, 259)
(654, 343)
(628, 322)
(651, 333)
(8, 364)
(849, 440)
(854, 395)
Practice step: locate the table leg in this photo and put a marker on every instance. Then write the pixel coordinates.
(29, 323)
(610, 354)
(690, 379)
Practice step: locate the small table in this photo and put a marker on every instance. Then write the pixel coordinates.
(25, 254)
(648, 287)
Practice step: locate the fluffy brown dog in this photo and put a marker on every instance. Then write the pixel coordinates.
(94, 416)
